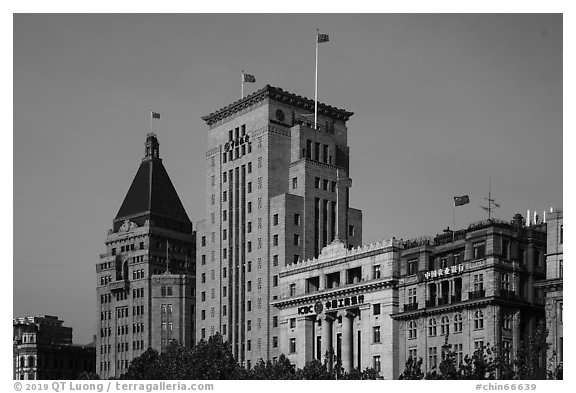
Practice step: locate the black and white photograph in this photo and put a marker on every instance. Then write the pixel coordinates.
(287, 196)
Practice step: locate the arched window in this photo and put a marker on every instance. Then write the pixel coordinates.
(478, 319)
(432, 327)
(445, 325)
(458, 323)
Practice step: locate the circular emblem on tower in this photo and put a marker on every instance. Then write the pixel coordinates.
(318, 307)
(280, 115)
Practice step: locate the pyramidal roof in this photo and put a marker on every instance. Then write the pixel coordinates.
(152, 195)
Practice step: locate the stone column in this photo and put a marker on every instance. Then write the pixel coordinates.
(326, 338)
(347, 340)
(304, 340)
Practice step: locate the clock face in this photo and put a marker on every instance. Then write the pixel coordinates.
(318, 307)
(280, 115)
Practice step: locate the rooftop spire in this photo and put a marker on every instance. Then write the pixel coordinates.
(152, 146)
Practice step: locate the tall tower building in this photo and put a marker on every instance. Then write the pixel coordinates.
(146, 277)
(277, 192)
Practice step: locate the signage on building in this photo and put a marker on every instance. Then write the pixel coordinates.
(442, 273)
(236, 142)
(333, 304)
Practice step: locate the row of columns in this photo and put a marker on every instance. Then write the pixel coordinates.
(347, 352)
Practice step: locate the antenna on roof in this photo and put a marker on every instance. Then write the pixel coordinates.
(491, 202)
(167, 257)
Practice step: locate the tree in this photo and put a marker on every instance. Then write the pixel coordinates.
(88, 375)
(412, 369)
(213, 359)
(280, 369)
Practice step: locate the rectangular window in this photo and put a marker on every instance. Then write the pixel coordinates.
(274, 281)
(296, 239)
(274, 321)
(376, 363)
(376, 309)
(294, 183)
(224, 196)
(376, 334)
(224, 177)
(296, 258)
(432, 357)
(479, 249)
(249, 227)
(325, 185)
(296, 219)
(376, 271)
(249, 207)
(292, 323)
(292, 289)
(275, 219)
(275, 240)
(249, 187)
(412, 266)
(292, 345)
(317, 182)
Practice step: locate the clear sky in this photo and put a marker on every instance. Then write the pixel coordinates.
(441, 103)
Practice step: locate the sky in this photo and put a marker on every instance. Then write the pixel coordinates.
(442, 103)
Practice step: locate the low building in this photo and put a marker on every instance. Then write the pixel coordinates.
(43, 349)
(377, 305)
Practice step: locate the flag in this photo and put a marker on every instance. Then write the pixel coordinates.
(461, 200)
(155, 115)
(322, 38)
(248, 78)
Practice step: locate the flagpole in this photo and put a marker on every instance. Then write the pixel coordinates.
(242, 84)
(316, 85)
(150, 121)
(453, 221)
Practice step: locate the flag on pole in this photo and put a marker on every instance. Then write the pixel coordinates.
(461, 200)
(248, 78)
(155, 115)
(322, 38)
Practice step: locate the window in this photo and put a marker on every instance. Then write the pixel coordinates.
(296, 258)
(224, 177)
(203, 296)
(562, 234)
(249, 247)
(292, 289)
(224, 271)
(249, 187)
(376, 364)
(561, 268)
(274, 342)
(458, 323)
(203, 278)
(376, 334)
(294, 183)
(376, 309)
(325, 185)
(275, 240)
(275, 219)
(224, 253)
(412, 330)
(445, 325)
(249, 207)
(350, 230)
(296, 239)
(224, 291)
(413, 353)
(505, 249)
(412, 295)
(249, 305)
(292, 345)
(274, 281)
(478, 319)
(479, 249)
(292, 323)
(203, 314)
(275, 260)
(249, 286)
(248, 325)
(376, 271)
(505, 281)
(249, 167)
(274, 321)
(203, 241)
(249, 229)
(478, 282)
(224, 196)
(432, 327)
(412, 266)
(478, 345)
(459, 353)
(507, 322)
(432, 357)
(224, 215)
(296, 219)
(333, 186)
(317, 182)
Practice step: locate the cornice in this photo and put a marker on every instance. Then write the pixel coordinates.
(276, 94)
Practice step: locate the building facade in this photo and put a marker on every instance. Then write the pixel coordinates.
(553, 288)
(377, 305)
(473, 288)
(277, 191)
(146, 277)
(339, 304)
(43, 349)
